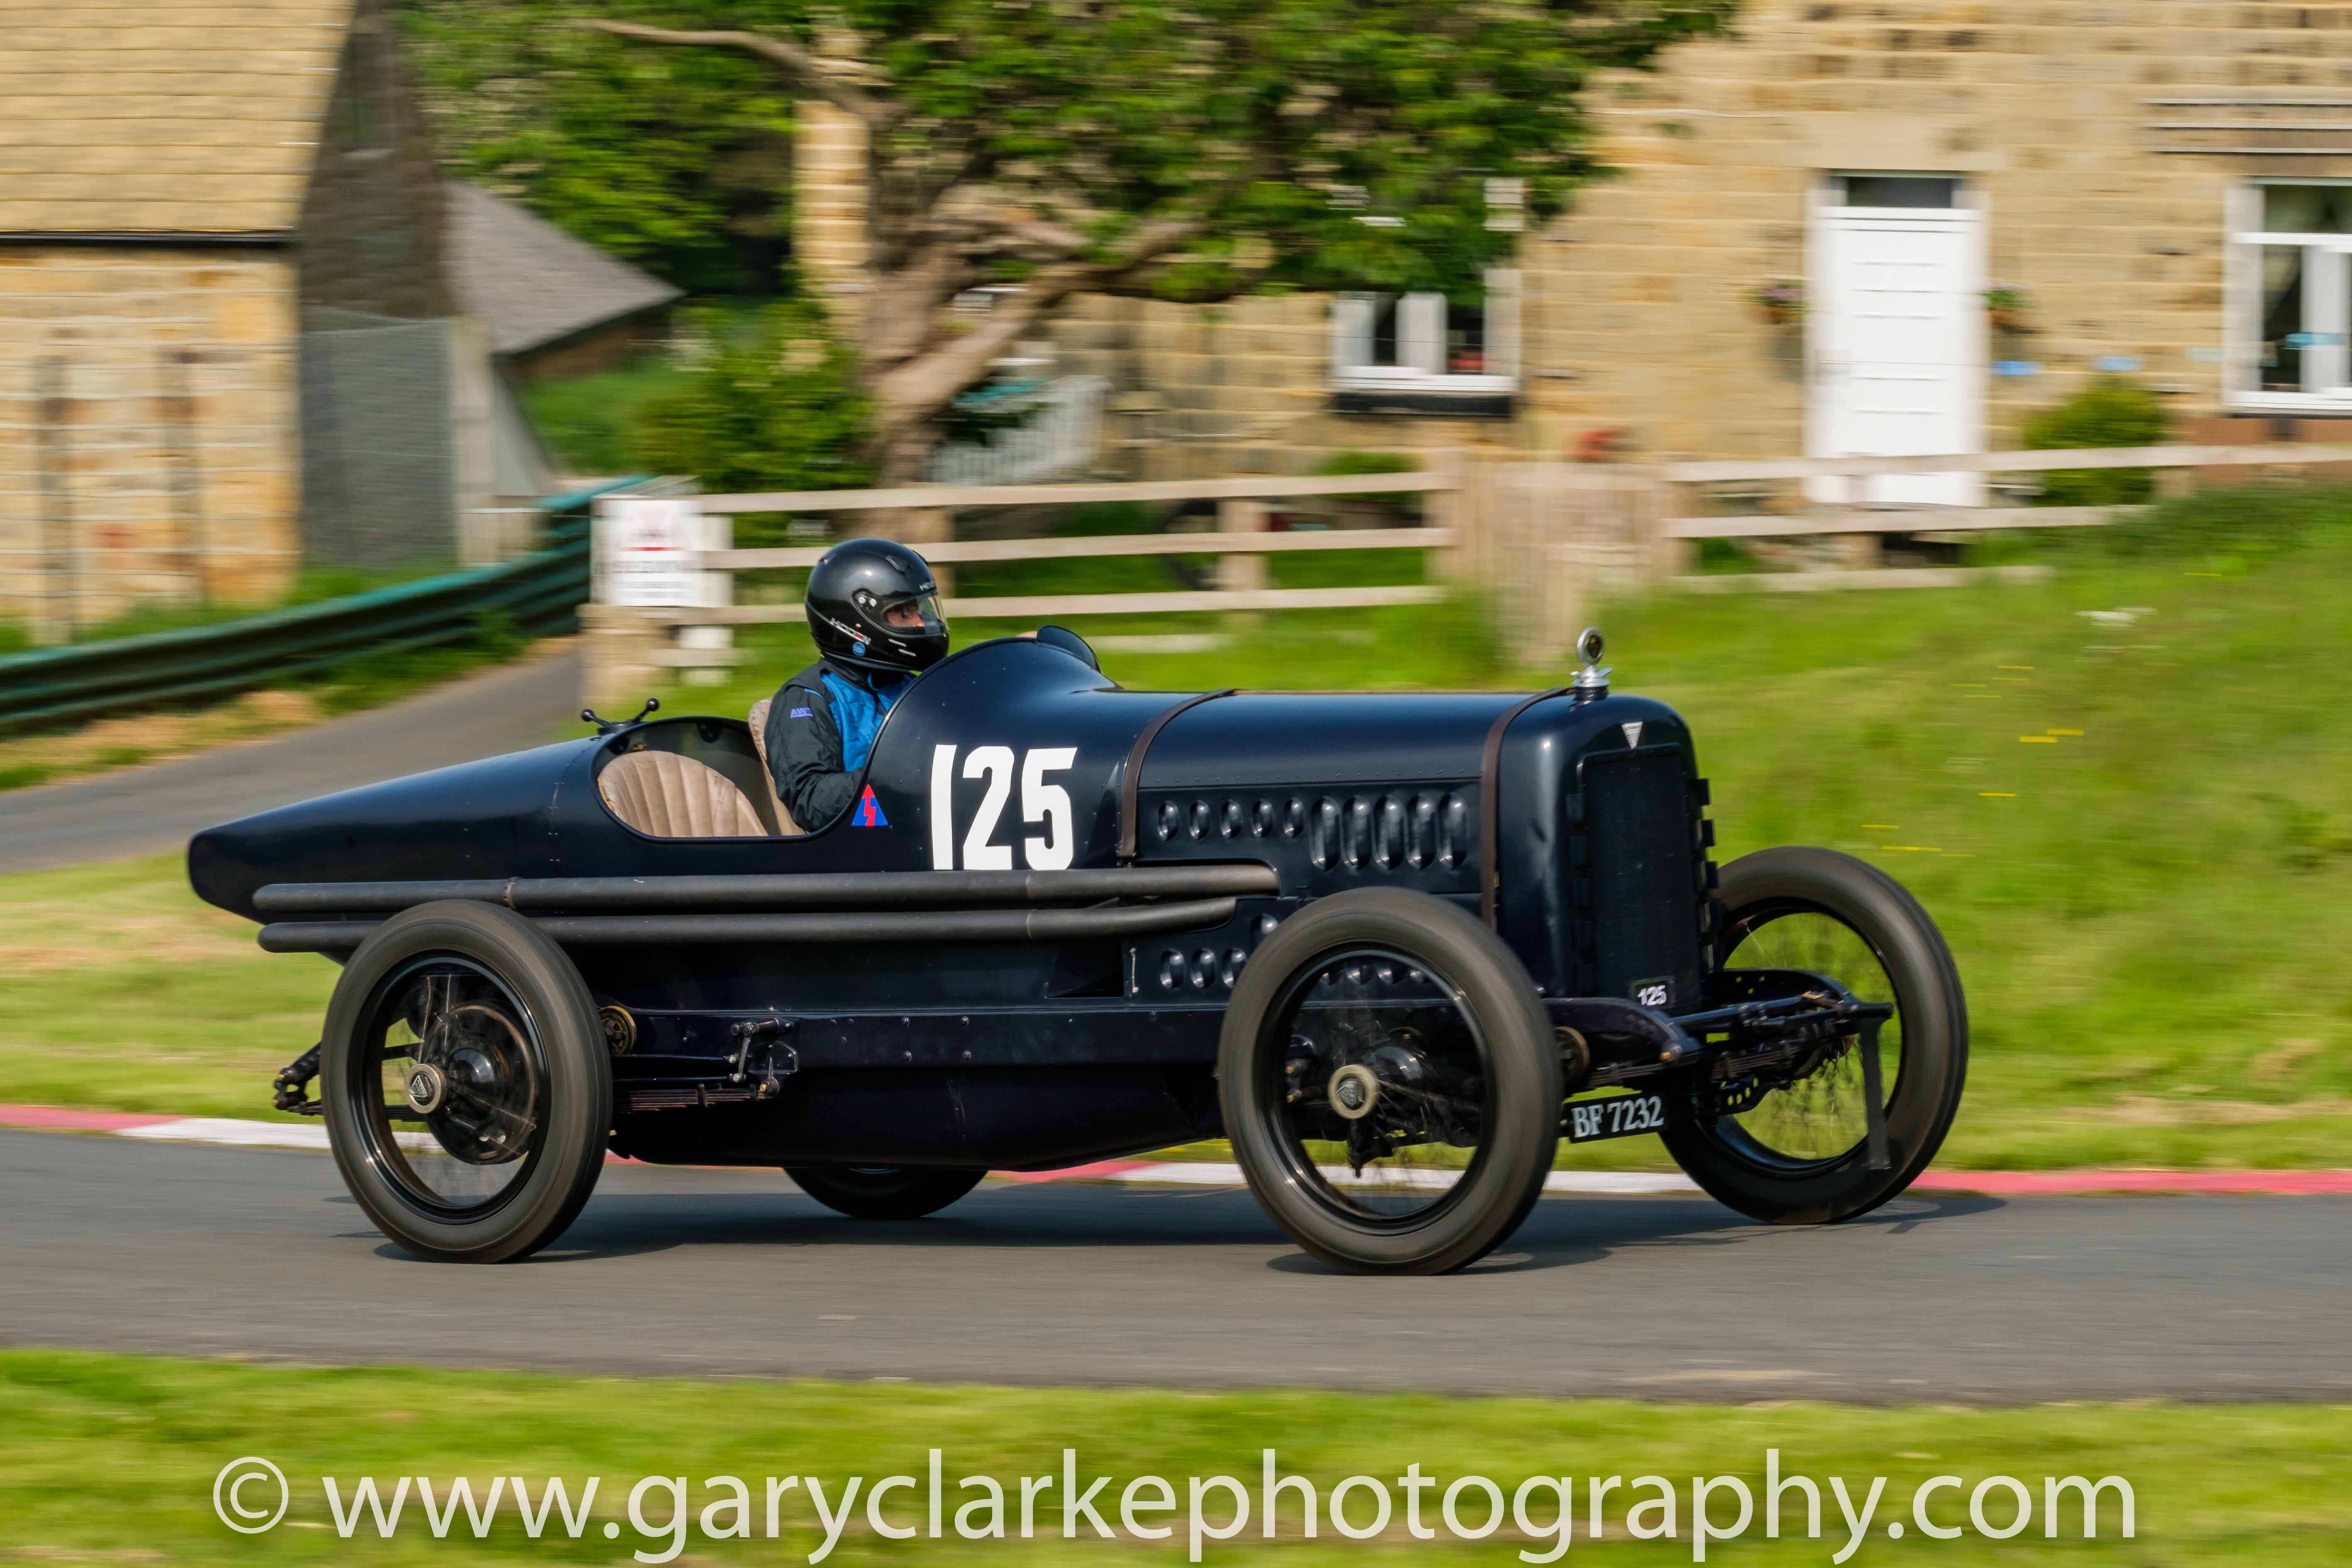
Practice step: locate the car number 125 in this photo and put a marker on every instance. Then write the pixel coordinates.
(1622, 1117)
(1042, 803)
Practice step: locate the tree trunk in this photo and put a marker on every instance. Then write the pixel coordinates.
(902, 450)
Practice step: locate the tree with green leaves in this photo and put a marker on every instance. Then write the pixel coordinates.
(1189, 150)
(680, 160)
(773, 404)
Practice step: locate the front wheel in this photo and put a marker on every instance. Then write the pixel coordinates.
(1390, 1083)
(883, 1191)
(465, 1083)
(1798, 1152)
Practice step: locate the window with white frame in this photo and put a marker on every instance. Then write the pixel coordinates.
(1427, 343)
(2292, 295)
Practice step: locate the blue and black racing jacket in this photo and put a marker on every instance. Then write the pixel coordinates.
(821, 730)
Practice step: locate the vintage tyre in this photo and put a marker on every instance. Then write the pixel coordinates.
(465, 1082)
(1799, 1155)
(1390, 1083)
(883, 1191)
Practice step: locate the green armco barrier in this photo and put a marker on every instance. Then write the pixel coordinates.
(539, 593)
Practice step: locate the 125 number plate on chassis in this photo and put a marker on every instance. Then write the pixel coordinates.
(1624, 1116)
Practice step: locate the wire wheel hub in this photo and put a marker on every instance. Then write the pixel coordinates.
(425, 1089)
(1354, 1091)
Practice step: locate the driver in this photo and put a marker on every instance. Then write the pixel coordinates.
(874, 611)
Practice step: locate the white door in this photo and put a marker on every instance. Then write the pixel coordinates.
(1897, 348)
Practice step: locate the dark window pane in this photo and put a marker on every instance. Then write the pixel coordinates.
(2307, 209)
(1901, 190)
(2283, 336)
(1465, 339)
(1384, 329)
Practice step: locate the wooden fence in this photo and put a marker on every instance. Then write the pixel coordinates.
(630, 647)
(1543, 538)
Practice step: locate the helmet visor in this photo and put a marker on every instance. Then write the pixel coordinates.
(913, 612)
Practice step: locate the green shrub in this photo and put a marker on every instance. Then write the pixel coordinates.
(590, 422)
(2110, 412)
(1339, 465)
(774, 406)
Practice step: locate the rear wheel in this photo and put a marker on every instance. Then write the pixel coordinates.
(465, 1082)
(1797, 1153)
(883, 1191)
(1390, 1083)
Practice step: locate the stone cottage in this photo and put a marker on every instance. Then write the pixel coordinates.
(244, 324)
(1892, 228)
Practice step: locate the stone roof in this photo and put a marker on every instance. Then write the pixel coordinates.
(531, 283)
(162, 116)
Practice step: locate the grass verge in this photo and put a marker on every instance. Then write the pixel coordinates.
(113, 1458)
(2118, 791)
(126, 993)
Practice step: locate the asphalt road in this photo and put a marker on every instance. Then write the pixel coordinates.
(144, 811)
(111, 1243)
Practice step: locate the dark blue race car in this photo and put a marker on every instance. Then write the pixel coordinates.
(1394, 947)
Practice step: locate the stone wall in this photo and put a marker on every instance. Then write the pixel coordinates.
(1641, 314)
(147, 419)
(1636, 313)
(1241, 387)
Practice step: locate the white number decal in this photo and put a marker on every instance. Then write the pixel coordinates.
(994, 764)
(943, 808)
(1048, 803)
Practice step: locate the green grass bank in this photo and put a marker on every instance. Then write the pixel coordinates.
(113, 1458)
(2120, 792)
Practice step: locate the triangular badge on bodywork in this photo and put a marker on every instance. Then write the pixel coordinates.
(1632, 732)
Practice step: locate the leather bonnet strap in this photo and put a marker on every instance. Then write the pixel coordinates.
(1132, 785)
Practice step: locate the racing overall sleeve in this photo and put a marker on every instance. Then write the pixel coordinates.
(804, 753)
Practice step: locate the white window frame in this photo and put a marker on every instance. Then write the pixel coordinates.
(2327, 309)
(1421, 343)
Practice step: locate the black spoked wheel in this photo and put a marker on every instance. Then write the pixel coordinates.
(1795, 1151)
(465, 1082)
(883, 1191)
(1389, 1083)
(456, 1050)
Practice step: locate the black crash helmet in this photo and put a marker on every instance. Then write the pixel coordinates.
(852, 591)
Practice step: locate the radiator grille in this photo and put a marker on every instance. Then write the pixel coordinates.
(1643, 879)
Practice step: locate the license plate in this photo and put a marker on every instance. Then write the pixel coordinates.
(1624, 1116)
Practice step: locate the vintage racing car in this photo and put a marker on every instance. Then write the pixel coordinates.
(1394, 947)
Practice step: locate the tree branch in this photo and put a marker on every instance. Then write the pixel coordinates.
(917, 388)
(825, 79)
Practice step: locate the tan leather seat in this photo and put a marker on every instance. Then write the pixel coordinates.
(671, 796)
(759, 719)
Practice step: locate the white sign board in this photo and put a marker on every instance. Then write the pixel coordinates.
(646, 551)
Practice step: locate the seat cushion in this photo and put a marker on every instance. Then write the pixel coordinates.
(671, 796)
(759, 719)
